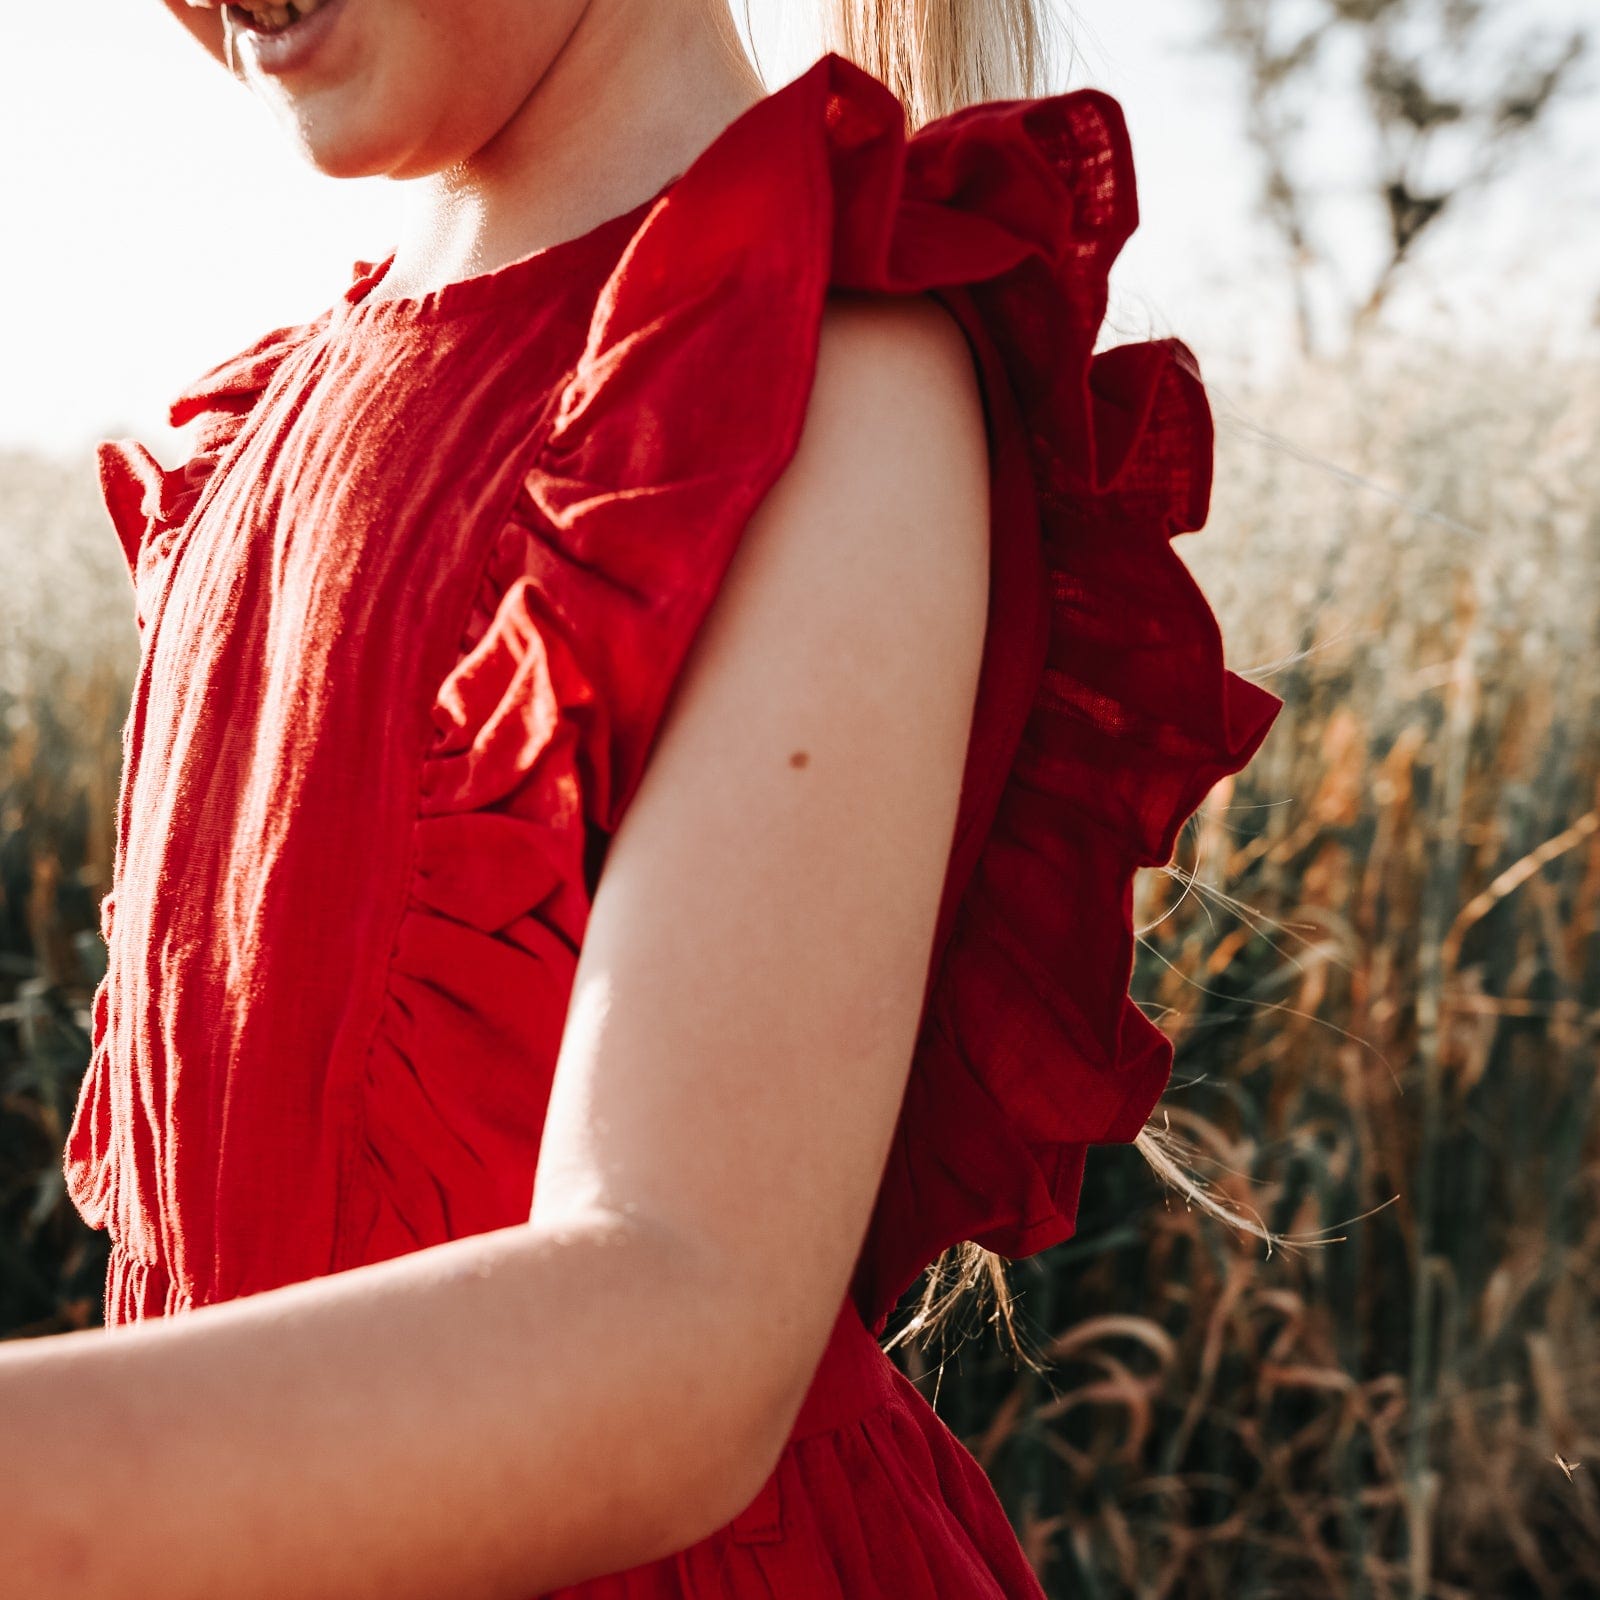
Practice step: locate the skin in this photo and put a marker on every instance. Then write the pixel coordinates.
(517, 125)
(614, 1379)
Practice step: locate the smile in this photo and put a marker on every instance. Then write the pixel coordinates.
(284, 38)
(263, 18)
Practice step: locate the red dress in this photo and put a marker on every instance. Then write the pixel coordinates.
(410, 617)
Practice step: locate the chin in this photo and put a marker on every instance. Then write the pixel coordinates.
(374, 135)
(340, 147)
(343, 158)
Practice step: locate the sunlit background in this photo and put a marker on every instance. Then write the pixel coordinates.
(156, 220)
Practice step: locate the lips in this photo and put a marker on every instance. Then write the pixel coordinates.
(286, 38)
(260, 17)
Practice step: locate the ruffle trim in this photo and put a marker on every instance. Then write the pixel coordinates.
(149, 505)
(489, 938)
(1101, 724)
(1106, 715)
(139, 1290)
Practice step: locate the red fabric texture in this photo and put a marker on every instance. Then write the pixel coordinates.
(410, 619)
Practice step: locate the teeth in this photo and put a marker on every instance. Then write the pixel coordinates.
(270, 18)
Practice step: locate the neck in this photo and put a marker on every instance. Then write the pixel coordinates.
(633, 96)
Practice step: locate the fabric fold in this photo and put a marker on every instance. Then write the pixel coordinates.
(1105, 712)
(426, 589)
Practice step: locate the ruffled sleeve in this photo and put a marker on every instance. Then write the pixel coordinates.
(1104, 710)
(149, 504)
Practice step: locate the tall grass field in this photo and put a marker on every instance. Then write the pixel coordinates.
(1377, 952)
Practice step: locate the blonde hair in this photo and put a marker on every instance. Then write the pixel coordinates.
(967, 1270)
(940, 55)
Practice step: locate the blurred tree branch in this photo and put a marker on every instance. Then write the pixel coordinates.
(1420, 67)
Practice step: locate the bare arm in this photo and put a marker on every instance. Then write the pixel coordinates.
(613, 1380)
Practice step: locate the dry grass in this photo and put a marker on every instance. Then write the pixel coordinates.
(68, 647)
(1377, 953)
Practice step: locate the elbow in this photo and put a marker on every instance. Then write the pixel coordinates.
(727, 1406)
(676, 1459)
(685, 1403)
(718, 1455)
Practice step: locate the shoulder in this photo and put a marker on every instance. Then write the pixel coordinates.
(897, 370)
(913, 331)
(891, 472)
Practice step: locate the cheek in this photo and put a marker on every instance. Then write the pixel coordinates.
(424, 84)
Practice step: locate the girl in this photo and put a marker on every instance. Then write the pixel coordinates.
(649, 709)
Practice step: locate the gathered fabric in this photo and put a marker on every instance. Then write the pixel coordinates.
(411, 616)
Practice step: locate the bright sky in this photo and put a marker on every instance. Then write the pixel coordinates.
(156, 221)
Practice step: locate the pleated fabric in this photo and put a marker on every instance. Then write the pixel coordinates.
(411, 616)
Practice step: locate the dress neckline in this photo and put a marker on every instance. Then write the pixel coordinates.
(515, 280)
(547, 267)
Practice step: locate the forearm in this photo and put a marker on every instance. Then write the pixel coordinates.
(493, 1417)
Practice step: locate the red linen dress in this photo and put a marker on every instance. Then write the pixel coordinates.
(410, 617)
